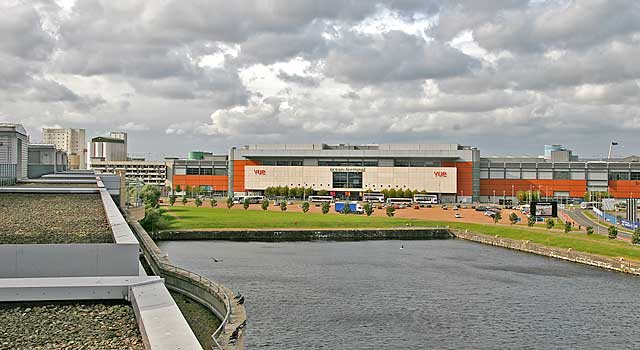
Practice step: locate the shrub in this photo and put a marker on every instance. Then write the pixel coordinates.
(550, 224)
(305, 207)
(635, 239)
(497, 217)
(390, 211)
(150, 196)
(589, 230)
(213, 202)
(229, 202)
(346, 209)
(283, 206)
(613, 232)
(265, 204)
(184, 200)
(325, 207)
(245, 203)
(172, 200)
(531, 220)
(153, 219)
(567, 227)
(198, 202)
(368, 209)
(513, 218)
(178, 188)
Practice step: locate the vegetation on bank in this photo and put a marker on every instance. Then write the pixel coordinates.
(184, 218)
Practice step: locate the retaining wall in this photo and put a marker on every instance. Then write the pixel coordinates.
(619, 264)
(307, 235)
(213, 296)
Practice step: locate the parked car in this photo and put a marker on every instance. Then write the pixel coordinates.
(455, 207)
(444, 207)
(458, 215)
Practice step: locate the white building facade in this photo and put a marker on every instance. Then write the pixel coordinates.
(70, 140)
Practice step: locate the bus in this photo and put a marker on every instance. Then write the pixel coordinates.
(320, 199)
(252, 199)
(399, 202)
(425, 198)
(373, 197)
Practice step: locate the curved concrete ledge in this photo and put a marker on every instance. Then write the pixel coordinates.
(400, 233)
(213, 296)
(614, 264)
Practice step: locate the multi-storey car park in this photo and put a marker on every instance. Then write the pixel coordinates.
(454, 172)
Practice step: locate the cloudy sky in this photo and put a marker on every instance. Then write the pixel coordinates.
(506, 76)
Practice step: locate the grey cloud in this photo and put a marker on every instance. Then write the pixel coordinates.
(394, 56)
(21, 33)
(303, 80)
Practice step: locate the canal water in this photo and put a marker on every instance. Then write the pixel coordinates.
(439, 294)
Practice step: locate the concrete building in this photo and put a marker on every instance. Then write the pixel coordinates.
(70, 140)
(14, 150)
(107, 149)
(453, 172)
(46, 159)
(148, 172)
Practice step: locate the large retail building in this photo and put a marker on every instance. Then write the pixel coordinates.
(454, 172)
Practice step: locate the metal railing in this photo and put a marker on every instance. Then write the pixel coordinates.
(8, 174)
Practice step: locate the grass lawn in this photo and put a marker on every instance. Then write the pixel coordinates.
(184, 218)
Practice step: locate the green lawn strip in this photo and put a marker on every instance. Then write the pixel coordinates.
(215, 218)
(184, 218)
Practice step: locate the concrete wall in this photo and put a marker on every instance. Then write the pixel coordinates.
(619, 264)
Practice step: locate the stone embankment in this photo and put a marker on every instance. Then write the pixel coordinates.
(216, 297)
(282, 235)
(615, 264)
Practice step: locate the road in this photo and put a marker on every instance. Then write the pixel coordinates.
(578, 216)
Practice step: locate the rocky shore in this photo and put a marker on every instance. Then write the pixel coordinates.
(53, 219)
(86, 326)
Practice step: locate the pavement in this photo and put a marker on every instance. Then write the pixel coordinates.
(579, 217)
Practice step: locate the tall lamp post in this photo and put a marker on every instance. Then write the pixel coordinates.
(493, 199)
(512, 192)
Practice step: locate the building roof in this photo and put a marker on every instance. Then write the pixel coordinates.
(107, 139)
(13, 127)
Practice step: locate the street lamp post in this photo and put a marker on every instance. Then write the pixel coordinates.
(512, 192)
(493, 199)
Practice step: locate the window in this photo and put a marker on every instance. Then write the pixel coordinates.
(347, 180)
(561, 175)
(296, 163)
(635, 176)
(193, 171)
(619, 176)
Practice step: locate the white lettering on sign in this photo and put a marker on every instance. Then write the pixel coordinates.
(440, 173)
(260, 172)
(347, 170)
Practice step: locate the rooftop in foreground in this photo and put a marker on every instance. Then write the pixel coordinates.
(54, 185)
(85, 325)
(53, 219)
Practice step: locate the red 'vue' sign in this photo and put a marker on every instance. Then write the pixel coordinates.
(440, 173)
(260, 172)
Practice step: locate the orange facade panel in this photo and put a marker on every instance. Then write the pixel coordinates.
(218, 182)
(465, 177)
(625, 188)
(576, 188)
(238, 173)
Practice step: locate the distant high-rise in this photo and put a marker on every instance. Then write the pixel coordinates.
(70, 140)
(109, 149)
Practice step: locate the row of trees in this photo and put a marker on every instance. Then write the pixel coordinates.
(592, 196)
(290, 192)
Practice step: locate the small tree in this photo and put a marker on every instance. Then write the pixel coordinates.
(613, 232)
(213, 202)
(589, 230)
(245, 203)
(265, 204)
(323, 193)
(198, 202)
(513, 218)
(497, 217)
(150, 196)
(184, 200)
(325, 207)
(305, 207)
(567, 227)
(390, 211)
(229, 202)
(550, 224)
(368, 208)
(172, 200)
(635, 239)
(346, 209)
(531, 220)
(283, 206)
